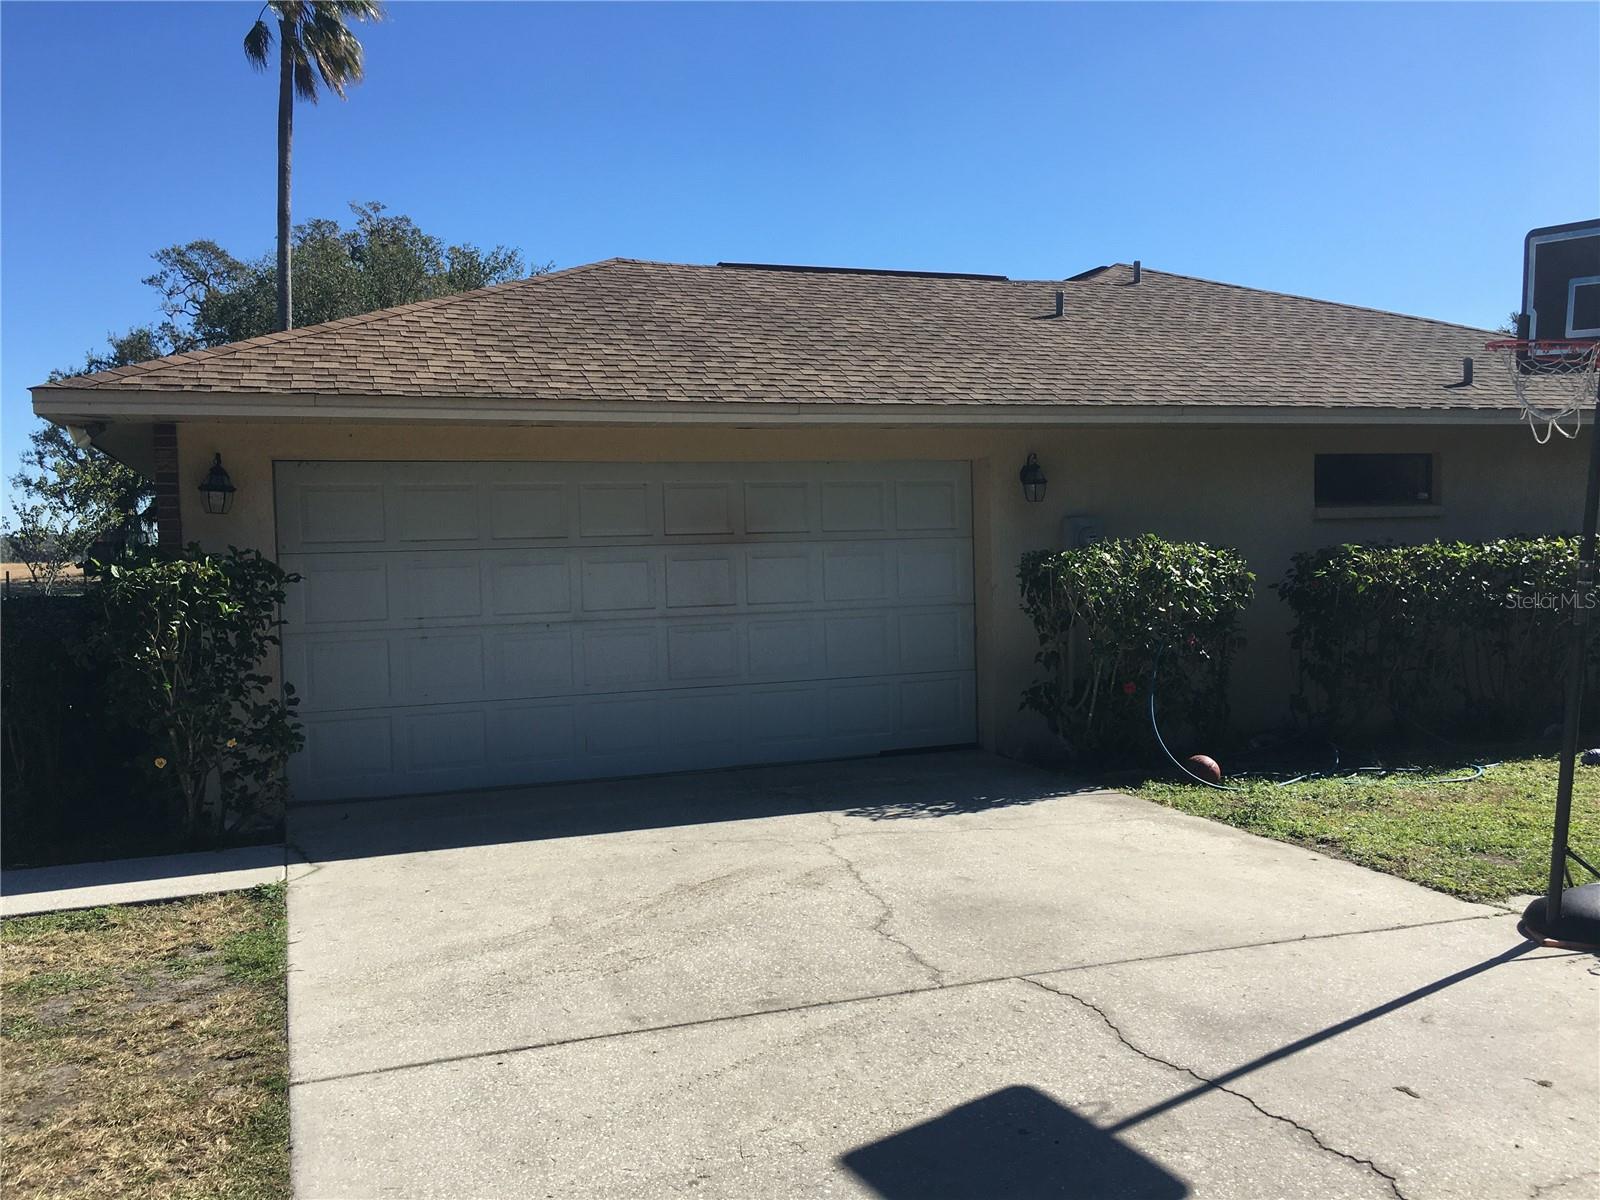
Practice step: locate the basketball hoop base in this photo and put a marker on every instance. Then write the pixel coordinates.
(1579, 926)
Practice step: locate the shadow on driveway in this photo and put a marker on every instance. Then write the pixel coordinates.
(889, 787)
(1014, 1144)
(1018, 1143)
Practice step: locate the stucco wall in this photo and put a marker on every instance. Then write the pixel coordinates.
(1249, 488)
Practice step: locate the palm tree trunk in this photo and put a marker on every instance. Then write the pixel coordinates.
(285, 138)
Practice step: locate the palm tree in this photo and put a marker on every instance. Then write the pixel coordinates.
(313, 42)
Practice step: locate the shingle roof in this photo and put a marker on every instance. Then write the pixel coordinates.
(626, 330)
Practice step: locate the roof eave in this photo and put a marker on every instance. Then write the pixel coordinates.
(67, 406)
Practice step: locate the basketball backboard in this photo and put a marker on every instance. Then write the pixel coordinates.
(1561, 283)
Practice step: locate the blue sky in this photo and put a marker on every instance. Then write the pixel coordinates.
(1383, 154)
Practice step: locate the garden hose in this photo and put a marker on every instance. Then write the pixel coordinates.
(1475, 771)
(1155, 728)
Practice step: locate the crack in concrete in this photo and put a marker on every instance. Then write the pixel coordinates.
(868, 997)
(1147, 1055)
(1541, 1188)
(885, 909)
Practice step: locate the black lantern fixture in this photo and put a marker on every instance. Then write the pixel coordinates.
(217, 488)
(1033, 480)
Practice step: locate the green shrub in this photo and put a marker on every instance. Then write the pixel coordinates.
(1105, 611)
(185, 638)
(1469, 636)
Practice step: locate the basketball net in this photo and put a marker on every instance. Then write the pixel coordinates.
(1553, 381)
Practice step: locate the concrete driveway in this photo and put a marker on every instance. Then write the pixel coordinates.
(935, 975)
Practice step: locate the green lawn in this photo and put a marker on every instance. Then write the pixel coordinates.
(145, 1051)
(1483, 840)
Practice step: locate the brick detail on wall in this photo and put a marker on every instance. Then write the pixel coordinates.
(169, 521)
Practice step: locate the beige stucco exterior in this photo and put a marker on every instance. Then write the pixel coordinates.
(1247, 487)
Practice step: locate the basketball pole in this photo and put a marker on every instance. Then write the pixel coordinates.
(1549, 921)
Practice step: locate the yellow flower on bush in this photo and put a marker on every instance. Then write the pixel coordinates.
(232, 742)
(161, 763)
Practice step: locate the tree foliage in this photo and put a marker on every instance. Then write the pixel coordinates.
(315, 40)
(1106, 612)
(68, 498)
(210, 297)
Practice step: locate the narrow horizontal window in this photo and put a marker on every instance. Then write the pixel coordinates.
(1374, 479)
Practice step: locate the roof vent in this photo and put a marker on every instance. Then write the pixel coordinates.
(1136, 270)
(1061, 302)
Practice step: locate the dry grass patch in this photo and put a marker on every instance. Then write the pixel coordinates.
(145, 1051)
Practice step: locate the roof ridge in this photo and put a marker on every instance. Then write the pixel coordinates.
(808, 269)
(1259, 291)
(207, 353)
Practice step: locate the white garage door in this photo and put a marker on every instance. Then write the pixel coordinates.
(476, 624)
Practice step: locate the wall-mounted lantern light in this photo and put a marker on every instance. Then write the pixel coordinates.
(217, 488)
(1033, 480)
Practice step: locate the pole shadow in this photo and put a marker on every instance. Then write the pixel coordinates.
(1014, 1144)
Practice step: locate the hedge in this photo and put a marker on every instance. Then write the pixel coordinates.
(1104, 612)
(1465, 637)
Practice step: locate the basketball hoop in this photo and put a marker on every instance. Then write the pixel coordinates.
(1553, 381)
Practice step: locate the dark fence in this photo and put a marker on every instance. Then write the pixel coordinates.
(64, 783)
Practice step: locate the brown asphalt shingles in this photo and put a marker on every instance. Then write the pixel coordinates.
(629, 331)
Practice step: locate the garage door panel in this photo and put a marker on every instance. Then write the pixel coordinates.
(933, 571)
(616, 510)
(354, 506)
(430, 587)
(532, 662)
(776, 507)
(444, 740)
(929, 507)
(703, 578)
(861, 711)
(619, 726)
(704, 720)
(935, 639)
(340, 672)
(786, 575)
(344, 756)
(459, 746)
(503, 623)
(332, 515)
(436, 512)
(935, 705)
(534, 734)
(699, 509)
(336, 589)
(523, 583)
(618, 581)
(783, 721)
(614, 656)
(858, 644)
(700, 652)
(440, 667)
(786, 647)
(855, 572)
(853, 508)
(532, 511)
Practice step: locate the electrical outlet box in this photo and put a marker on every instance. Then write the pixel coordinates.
(1079, 530)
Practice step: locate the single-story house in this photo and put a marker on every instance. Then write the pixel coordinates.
(640, 516)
